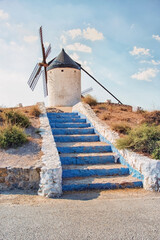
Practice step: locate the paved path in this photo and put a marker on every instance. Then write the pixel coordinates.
(121, 214)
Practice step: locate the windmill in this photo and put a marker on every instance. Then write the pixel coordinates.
(32, 82)
(61, 78)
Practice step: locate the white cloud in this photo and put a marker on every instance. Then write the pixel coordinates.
(151, 62)
(88, 33)
(84, 64)
(75, 57)
(92, 34)
(144, 61)
(139, 51)
(63, 39)
(30, 39)
(8, 24)
(75, 33)
(79, 47)
(145, 75)
(157, 37)
(155, 62)
(3, 15)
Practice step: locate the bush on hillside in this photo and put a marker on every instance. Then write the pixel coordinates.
(35, 111)
(89, 100)
(144, 138)
(156, 151)
(16, 118)
(12, 136)
(122, 127)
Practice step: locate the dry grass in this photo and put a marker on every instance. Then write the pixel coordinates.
(34, 121)
(35, 111)
(89, 100)
(117, 114)
(121, 128)
(152, 117)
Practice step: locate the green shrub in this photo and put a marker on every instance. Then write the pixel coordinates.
(143, 138)
(16, 118)
(35, 111)
(12, 136)
(156, 151)
(89, 100)
(121, 127)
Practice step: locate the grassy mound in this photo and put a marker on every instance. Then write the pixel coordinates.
(143, 138)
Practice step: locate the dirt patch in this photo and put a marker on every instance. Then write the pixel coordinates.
(54, 110)
(116, 113)
(16, 197)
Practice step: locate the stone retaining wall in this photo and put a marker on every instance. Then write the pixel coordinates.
(20, 178)
(149, 168)
(51, 172)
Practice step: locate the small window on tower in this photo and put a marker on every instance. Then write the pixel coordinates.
(74, 70)
(62, 70)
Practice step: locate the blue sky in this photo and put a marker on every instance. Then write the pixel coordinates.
(116, 41)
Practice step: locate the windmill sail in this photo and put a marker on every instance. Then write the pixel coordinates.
(33, 80)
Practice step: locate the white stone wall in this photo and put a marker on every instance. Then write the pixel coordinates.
(149, 168)
(51, 172)
(64, 87)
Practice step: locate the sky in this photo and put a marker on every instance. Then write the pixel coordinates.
(118, 42)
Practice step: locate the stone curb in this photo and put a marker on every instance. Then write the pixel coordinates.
(149, 168)
(51, 173)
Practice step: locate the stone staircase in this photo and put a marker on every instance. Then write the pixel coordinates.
(87, 163)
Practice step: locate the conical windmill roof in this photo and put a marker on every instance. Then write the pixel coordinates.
(63, 60)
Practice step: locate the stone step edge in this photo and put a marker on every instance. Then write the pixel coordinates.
(76, 135)
(134, 183)
(94, 167)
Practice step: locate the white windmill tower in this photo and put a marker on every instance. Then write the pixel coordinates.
(64, 81)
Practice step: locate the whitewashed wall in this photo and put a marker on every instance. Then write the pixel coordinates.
(51, 172)
(64, 86)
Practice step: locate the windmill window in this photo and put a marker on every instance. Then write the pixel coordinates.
(62, 70)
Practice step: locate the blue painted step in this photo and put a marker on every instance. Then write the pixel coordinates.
(67, 120)
(96, 147)
(63, 117)
(70, 131)
(76, 138)
(82, 156)
(105, 183)
(87, 158)
(62, 114)
(69, 125)
(88, 171)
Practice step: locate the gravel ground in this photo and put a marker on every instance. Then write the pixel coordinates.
(120, 214)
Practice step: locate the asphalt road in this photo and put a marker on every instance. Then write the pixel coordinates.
(119, 214)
